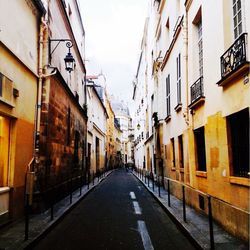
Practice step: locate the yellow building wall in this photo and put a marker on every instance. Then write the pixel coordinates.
(22, 118)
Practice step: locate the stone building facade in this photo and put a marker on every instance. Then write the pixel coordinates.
(199, 125)
(62, 131)
(19, 53)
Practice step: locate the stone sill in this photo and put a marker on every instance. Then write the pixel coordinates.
(168, 118)
(239, 181)
(202, 174)
(4, 190)
(234, 74)
(197, 102)
(10, 104)
(173, 169)
(178, 107)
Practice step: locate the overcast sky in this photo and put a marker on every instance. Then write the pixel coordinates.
(113, 32)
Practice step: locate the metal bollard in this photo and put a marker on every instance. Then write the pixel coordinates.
(51, 209)
(88, 179)
(148, 180)
(27, 218)
(210, 217)
(169, 193)
(70, 197)
(81, 180)
(153, 182)
(184, 203)
(159, 187)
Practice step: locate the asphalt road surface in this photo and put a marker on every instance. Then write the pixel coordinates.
(118, 214)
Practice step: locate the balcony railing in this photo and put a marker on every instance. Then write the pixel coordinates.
(196, 90)
(234, 57)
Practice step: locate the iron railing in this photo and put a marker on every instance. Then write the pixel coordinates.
(234, 57)
(196, 90)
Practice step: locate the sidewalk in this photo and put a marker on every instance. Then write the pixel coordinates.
(12, 237)
(197, 225)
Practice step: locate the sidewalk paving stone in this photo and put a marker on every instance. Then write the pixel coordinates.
(197, 224)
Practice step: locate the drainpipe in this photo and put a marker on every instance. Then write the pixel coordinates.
(43, 27)
(186, 114)
(43, 38)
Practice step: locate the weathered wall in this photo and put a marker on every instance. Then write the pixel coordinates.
(60, 124)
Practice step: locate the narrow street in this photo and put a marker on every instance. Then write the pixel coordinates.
(118, 214)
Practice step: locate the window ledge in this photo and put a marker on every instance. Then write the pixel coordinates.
(244, 68)
(178, 107)
(4, 190)
(10, 104)
(239, 181)
(168, 118)
(201, 174)
(173, 169)
(199, 101)
(182, 170)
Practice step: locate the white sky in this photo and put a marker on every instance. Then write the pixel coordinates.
(113, 32)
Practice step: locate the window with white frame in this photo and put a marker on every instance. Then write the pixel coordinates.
(178, 64)
(237, 18)
(168, 94)
(200, 47)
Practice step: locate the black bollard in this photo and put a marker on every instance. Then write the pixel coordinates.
(159, 187)
(168, 193)
(184, 203)
(210, 217)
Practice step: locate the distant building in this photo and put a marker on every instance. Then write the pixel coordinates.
(97, 126)
(123, 118)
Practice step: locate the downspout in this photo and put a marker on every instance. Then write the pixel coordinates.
(43, 27)
(186, 114)
(42, 74)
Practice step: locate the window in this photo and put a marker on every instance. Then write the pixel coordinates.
(168, 95)
(173, 152)
(238, 135)
(6, 89)
(200, 149)
(4, 150)
(201, 202)
(89, 157)
(178, 64)
(97, 152)
(237, 18)
(1, 85)
(181, 158)
(200, 48)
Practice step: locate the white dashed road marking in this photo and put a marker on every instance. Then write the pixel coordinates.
(132, 195)
(136, 207)
(144, 235)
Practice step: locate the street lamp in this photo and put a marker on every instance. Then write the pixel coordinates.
(69, 59)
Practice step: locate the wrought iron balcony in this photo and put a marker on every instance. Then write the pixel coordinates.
(197, 93)
(234, 57)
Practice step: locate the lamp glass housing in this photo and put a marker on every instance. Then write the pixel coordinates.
(69, 62)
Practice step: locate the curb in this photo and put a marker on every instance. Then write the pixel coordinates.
(57, 220)
(172, 217)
